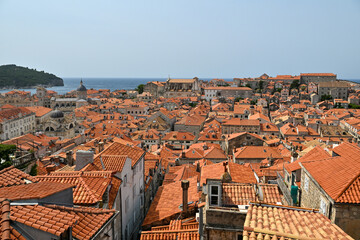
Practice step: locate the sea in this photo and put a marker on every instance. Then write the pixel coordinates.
(71, 84)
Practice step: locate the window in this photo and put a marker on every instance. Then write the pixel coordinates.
(323, 206)
(306, 183)
(214, 195)
(125, 180)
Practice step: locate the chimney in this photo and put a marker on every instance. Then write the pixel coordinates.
(50, 168)
(69, 158)
(185, 186)
(56, 159)
(101, 146)
(225, 168)
(83, 158)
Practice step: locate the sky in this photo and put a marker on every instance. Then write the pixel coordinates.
(182, 38)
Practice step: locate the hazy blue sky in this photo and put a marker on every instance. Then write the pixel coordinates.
(184, 38)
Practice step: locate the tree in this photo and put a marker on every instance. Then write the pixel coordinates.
(354, 106)
(248, 85)
(295, 84)
(261, 84)
(325, 97)
(140, 88)
(5, 151)
(192, 104)
(33, 171)
(238, 99)
(252, 102)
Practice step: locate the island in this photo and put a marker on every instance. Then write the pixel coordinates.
(12, 76)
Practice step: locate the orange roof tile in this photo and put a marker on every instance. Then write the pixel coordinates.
(33, 191)
(242, 194)
(42, 218)
(12, 176)
(167, 201)
(39, 110)
(119, 149)
(271, 221)
(89, 220)
(257, 152)
(90, 186)
(338, 176)
(239, 173)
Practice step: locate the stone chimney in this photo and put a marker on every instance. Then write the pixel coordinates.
(50, 168)
(101, 146)
(83, 158)
(69, 158)
(185, 186)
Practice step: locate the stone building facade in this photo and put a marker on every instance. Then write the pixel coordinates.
(317, 77)
(337, 90)
(212, 93)
(346, 216)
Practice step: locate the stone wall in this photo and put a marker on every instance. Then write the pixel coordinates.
(347, 217)
(312, 197)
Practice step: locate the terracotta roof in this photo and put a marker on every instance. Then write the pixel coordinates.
(229, 88)
(89, 220)
(12, 176)
(282, 222)
(45, 219)
(181, 80)
(316, 153)
(338, 176)
(242, 122)
(180, 136)
(14, 113)
(176, 230)
(39, 110)
(167, 201)
(90, 186)
(118, 149)
(317, 74)
(242, 194)
(33, 191)
(256, 152)
(107, 163)
(239, 173)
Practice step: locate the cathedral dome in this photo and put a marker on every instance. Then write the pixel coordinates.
(57, 114)
(81, 88)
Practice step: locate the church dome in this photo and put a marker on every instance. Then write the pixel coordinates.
(57, 114)
(81, 88)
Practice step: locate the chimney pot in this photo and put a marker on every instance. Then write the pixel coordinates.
(185, 186)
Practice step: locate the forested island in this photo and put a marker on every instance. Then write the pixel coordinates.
(12, 76)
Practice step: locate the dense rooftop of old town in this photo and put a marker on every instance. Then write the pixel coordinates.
(253, 158)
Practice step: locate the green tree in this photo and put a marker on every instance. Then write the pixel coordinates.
(354, 106)
(325, 97)
(192, 104)
(140, 88)
(33, 171)
(252, 102)
(238, 99)
(5, 151)
(261, 84)
(295, 84)
(248, 85)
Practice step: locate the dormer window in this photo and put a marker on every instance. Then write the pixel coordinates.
(214, 195)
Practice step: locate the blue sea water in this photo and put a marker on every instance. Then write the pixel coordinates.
(107, 83)
(96, 83)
